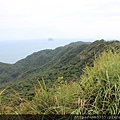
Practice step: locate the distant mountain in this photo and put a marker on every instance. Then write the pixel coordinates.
(68, 61)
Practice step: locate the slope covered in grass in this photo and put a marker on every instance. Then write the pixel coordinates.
(97, 92)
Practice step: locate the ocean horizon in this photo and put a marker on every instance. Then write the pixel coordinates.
(12, 51)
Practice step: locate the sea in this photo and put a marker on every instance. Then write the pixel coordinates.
(12, 51)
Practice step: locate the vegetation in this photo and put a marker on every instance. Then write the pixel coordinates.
(96, 91)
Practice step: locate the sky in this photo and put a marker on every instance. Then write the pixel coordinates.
(36, 19)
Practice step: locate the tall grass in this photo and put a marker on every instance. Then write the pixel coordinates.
(101, 85)
(59, 99)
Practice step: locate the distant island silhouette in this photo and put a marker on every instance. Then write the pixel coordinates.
(50, 39)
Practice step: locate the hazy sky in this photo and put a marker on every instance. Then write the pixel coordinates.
(33, 19)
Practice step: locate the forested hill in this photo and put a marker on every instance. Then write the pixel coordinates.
(67, 61)
(14, 72)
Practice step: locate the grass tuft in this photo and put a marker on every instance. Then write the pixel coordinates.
(101, 85)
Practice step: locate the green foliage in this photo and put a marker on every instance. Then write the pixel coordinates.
(97, 92)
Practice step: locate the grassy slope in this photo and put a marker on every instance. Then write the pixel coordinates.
(97, 92)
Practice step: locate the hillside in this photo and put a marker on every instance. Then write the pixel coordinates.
(37, 60)
(95, 93)
(68, 62)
